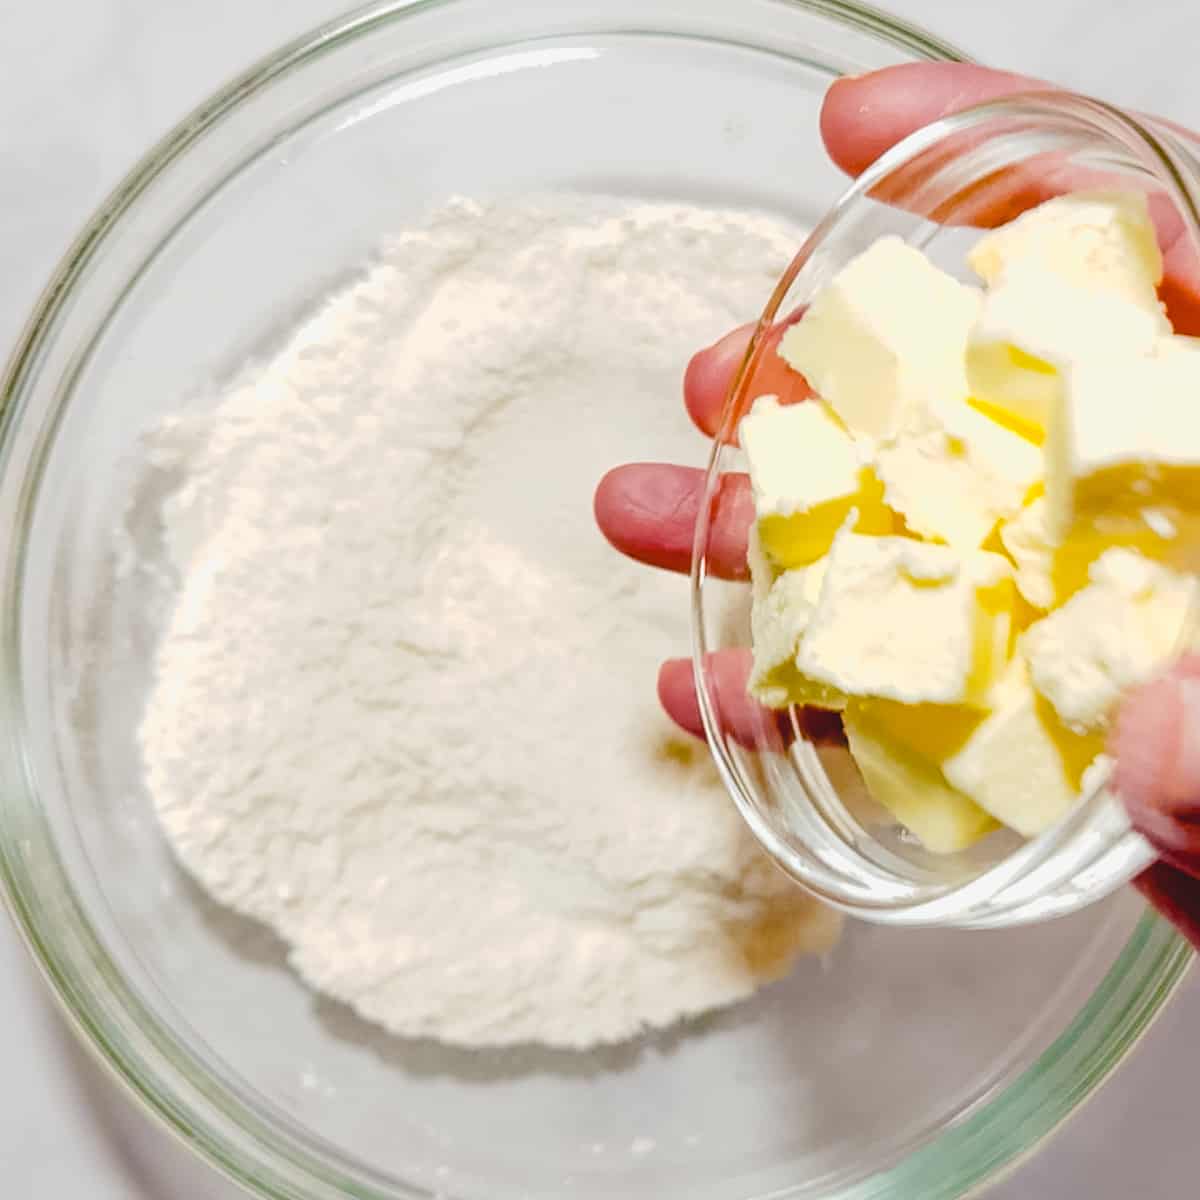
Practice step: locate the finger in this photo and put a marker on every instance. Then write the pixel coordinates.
(1176, 895)
(1180, 288)
(648, 511)
(710, 375)
(1157, 743)
(738, 714)
(897, 101)
(864, 116)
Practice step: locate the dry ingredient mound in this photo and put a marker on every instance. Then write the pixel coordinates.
(403, 708)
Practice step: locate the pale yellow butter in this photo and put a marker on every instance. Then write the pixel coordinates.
(1027, 540)
(799, 456)
(1111, 635)
(1103, 240)
(779, 615)
(1123, 443)
(806, 475)
(1067, 280)
(955, 483)
(1020, 763)
(955, 412)
(1048, 574)
(884, 340)
(1033, 326)
(1015, 761)
(909, 621)
(912, 788)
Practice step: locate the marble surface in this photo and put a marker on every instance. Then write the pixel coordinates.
(86, 84)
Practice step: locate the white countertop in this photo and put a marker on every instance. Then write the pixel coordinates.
(85, 86)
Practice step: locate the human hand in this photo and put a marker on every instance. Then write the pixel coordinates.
(648, 510)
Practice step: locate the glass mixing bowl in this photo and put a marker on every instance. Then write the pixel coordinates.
(913, 1063)
(806, 802)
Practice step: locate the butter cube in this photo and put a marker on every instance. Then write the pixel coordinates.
(1033, 326)
(762, 570)
(1124, 441)
(1027, 540)
(1020, 763)
(1050, 573)
(1063, 279)
(1102, 240)
(935, 731)
(1113, 634)
(884, 340)
(806, 476)
(956, 483)
(912, 788)
(1017, 762)
(909, 621)
(779, 615)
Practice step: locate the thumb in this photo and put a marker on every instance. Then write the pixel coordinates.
(1157, 744)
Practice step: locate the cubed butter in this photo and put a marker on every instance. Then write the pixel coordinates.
(1033, 326)
(909, 621)
(779, 615)
(1123, 444)
(935, 731)
(762, 570)
(1102, 240)
(1017, 762)
(912, 788)
(1048, 574)
(956, 483)
(1111, 635)
(806, 476)
(1020, 763)
(1027, 540)
(884, 340)
(1055, 418)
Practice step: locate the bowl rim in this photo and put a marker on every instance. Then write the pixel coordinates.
(264, 1155)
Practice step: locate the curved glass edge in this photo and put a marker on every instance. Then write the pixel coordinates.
(1003, 1128)
(124, 1061)
(921, 42)
(300, 51)
(1007, 1128)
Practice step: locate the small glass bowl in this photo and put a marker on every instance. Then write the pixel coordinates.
(801, 794)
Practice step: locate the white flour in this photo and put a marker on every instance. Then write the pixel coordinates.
(404, 709)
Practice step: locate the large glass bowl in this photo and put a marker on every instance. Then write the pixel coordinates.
(909, 1064)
